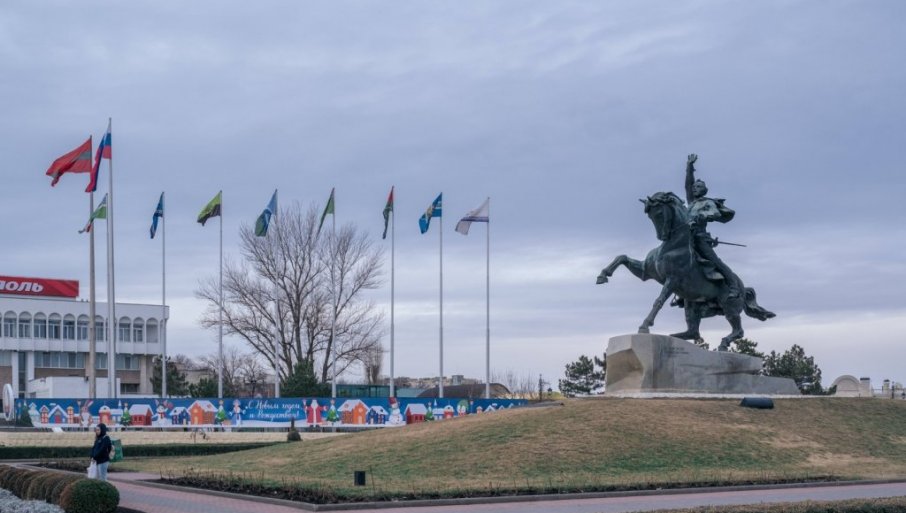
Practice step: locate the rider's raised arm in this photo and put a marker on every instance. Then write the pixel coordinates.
(690, 177)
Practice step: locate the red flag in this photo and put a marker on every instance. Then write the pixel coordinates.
(76, 161)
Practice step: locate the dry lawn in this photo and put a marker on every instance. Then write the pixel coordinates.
(591, 443)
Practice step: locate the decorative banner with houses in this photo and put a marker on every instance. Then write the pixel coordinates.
(254, 412)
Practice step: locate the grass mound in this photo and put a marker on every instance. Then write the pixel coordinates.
(586, 444)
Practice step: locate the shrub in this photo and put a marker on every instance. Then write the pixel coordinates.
(41, 486)
(90, 496)
(20, 483)
(5, 471)
(60, 487)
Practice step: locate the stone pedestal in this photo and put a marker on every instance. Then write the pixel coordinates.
(646, 363)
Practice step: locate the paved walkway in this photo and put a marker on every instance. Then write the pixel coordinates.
(149, 499)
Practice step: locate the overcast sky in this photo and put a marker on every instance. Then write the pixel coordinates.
(564, 113)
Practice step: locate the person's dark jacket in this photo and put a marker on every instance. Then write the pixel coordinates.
(102, 444)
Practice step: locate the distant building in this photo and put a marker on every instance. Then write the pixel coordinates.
(44, 334)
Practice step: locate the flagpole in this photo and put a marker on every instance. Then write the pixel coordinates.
(333, 286)
(392, 291)
(440, 387)
(220, 335)
(163, 302)
(487, 288)
(278, 324)
(92, 336)
(111, 284)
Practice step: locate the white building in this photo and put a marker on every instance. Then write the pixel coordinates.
(44, 334)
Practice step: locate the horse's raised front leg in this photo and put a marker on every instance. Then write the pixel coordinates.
(636, 267)
(666, 290)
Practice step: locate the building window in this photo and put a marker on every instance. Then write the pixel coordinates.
(6, 358)
(127, 362)
(69, 330)
(82, 330)
(128, 388)
(123, 332)
(58, 360)
(40, 328)
(24, 328)
(138, 333)
(53, 329)
(100, 360)
(100, 331)
(9, 327)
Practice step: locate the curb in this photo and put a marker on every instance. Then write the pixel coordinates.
(352, 506)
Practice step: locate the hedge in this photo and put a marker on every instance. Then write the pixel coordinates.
(129, 451)
(73, 493)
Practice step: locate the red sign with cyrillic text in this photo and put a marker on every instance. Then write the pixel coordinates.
(19, 286)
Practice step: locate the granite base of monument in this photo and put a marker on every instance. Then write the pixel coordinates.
(645, 363)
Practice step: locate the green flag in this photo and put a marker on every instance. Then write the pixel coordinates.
(328, 209)
(212, 209)
(388, 208)
(99, 213)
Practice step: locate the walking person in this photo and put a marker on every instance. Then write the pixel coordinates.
(100, 453)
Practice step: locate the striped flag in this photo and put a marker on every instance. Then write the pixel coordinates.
(478, 215)
(76, 161)
(388, 208)
(99, 213)
(105, 151)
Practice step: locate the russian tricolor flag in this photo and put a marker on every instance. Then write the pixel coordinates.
(104, 152)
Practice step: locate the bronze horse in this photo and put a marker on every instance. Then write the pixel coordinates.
(674, 265)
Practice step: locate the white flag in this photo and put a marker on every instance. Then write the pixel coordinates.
(479, 215)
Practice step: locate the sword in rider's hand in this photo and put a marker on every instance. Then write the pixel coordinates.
(716, 242)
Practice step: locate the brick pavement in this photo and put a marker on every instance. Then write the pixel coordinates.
(157, 500)
(148, 499)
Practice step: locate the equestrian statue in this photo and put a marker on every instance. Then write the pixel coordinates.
(687, 266)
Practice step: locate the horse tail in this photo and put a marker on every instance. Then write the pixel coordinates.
(753, 309)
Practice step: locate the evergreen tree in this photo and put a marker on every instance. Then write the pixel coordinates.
(126, 419)
(746, 346)
(582, 378)
(794, 364)
(303, 382)
(207, 387)
(24, 419)
(176, 380)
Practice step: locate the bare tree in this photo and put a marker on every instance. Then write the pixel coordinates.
(242, 371)
(280, 298)
(372, 362)
(521, 385)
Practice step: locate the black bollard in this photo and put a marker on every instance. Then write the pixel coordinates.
(762, 403)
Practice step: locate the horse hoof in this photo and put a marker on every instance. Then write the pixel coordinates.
(644, 330)
(722, 348)
(601, 279)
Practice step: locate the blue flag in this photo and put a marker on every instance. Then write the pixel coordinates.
(264, 220)
(433, 211)
(158, 213)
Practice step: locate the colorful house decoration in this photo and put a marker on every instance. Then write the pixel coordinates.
(141, 414)
(415, 413)
(353, 411)
(376, 415)
(202, 412)
(179, 416)
(45, 417)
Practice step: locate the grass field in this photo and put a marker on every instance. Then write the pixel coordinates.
(590, 443)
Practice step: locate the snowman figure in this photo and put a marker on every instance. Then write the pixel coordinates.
(396, 418)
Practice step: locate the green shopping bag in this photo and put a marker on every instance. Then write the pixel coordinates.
(116, 450)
